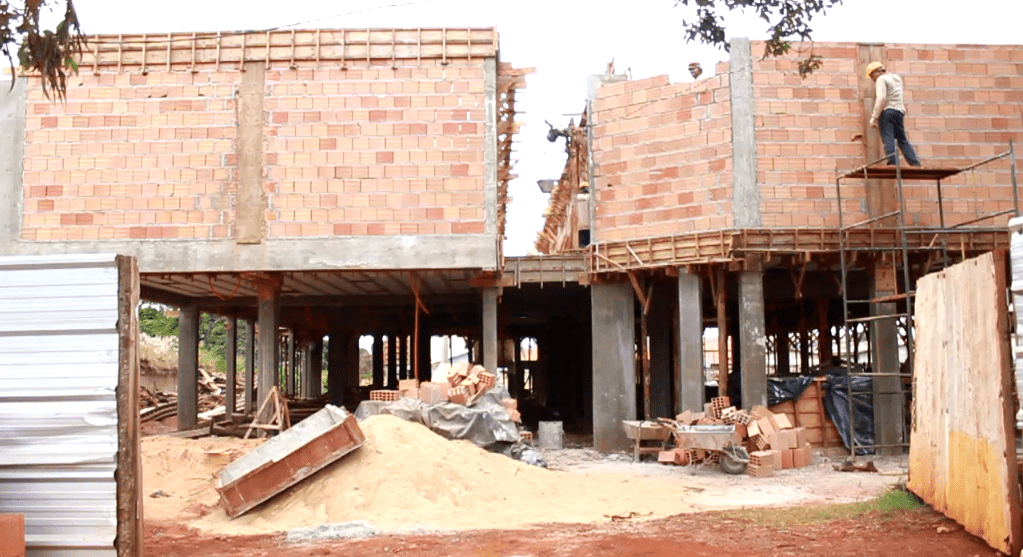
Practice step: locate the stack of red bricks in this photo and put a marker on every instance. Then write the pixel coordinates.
(772, 442)
(468, 382)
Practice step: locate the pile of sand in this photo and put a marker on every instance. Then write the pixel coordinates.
(406, 477)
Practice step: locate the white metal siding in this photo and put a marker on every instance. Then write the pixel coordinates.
(58, 409)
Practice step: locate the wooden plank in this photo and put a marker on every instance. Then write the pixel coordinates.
(129, 452)
(962, 457)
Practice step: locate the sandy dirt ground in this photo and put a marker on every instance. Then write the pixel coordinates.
(428, 496)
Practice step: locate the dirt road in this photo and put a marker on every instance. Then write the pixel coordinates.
(768, 532)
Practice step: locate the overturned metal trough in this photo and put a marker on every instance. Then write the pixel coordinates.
(287, 459)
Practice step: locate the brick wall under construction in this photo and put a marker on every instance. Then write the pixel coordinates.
(663, 151)
(378, 132)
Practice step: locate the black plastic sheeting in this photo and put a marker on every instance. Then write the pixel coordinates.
(836, 401)
(836, 404)
(780, 389)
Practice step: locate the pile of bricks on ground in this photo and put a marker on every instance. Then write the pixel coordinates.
(773, 444)
(464, 385)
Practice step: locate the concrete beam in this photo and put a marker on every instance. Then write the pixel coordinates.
(188, 368)
(690, 342)
(490, 346)
(12, 157)
(745, 190)
(614, 364)
(752, 339)
(437, 251)
(231, 360)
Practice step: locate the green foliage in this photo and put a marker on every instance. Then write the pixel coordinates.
(896, 499)
(155, 323)
(786, 19)
(53, 54)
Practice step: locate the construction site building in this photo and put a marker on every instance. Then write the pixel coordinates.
(340, 183)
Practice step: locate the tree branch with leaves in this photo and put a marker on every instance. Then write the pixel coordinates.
(787, 20)
(52, 54)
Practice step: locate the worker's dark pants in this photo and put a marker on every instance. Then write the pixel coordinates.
(892, 130)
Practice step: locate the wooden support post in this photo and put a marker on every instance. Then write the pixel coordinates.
(722, 319)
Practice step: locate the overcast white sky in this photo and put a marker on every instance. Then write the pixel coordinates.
(565, 40)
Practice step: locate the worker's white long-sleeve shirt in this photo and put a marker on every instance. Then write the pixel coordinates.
(888, 89)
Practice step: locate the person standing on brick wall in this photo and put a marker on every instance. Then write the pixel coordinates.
(889, 112)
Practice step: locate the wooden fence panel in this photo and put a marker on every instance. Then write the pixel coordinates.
(962, 446)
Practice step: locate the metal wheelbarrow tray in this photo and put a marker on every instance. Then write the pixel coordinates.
(733, 459)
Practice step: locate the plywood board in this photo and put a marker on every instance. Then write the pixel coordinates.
(962, 443)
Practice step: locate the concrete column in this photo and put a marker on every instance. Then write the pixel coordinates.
(313, 382)
(690, 342)
(250, 367)
(614, 364)
(188, 367)
(337, 357)
(752, 339)
(378, 361)
(518, 382)
(425, 351)
(231, 359)
(782, 347)
(250, 209)
(12, 157)
(889, 399)
(353, 359)
(292, 372)
(268, 351)
(745, 190)
(490, 347)
(392, 361)
(661, 332)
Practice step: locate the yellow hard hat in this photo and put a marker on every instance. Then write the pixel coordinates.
(873, 66)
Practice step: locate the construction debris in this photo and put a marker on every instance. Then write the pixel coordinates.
(287, 459)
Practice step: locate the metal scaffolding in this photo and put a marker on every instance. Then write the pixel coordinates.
(899, 175)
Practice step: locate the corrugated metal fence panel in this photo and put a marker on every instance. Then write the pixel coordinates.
(58, 407)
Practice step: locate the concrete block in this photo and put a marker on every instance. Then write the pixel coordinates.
(12, 535)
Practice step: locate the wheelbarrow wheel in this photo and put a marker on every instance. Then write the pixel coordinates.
(729, 464)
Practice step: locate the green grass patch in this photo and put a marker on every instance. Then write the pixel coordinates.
(891, 501)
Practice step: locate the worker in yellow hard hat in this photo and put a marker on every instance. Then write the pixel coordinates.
(889, 112)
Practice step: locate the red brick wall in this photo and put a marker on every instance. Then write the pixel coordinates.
(380, 148)
(376, 151)
(963, 106)
(663, 158)
(131, 156)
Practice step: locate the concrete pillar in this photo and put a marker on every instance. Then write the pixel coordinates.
(804, 351)
(12, 157)
(752, 339)
(231, 359)
(188, 367)
(337, 356)
(250, 367)
(292, 371)
(518, 382)
(690, 342)
(378, 361)
(661, 338)
(392, 361)
(312, 383)
(403, 372)
(353, 360)
(269, 350)
(889, 399)
(745, 189)
(490, 347)
(251, 204)
(425, 354)
(614, 364)
(782, 348)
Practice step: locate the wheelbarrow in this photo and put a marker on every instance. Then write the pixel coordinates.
(732, 458)
(638, 432)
